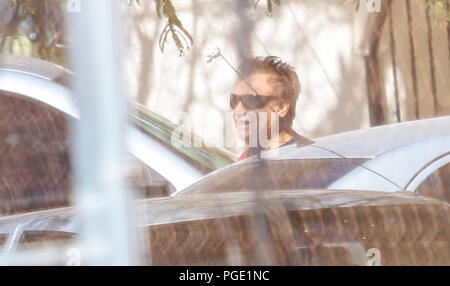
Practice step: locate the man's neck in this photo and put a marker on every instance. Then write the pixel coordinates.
(278, 141)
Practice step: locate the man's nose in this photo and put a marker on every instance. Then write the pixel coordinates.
(240, 108)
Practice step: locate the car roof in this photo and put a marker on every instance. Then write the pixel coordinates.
(372, 142)
(36, 67)
(367, 143)
(207, 206)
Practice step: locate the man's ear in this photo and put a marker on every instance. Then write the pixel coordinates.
(283, 108)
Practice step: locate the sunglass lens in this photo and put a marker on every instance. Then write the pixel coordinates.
(254, 102)
(234, 101)
(249, 101)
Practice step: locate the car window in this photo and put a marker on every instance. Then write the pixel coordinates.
(205, 159)
(276, 175)
(148, 182)
(437, 185)
(34, 155)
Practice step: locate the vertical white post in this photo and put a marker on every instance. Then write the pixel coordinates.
(107, 232)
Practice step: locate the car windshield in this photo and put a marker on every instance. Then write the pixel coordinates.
(205, 159)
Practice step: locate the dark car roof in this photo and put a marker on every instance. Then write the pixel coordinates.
(308, 227)
(205, 206)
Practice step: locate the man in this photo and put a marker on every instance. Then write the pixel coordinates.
(267, 87)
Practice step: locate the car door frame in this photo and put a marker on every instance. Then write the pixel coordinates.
(426, 171)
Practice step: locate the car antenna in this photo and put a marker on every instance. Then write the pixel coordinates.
(216, 53)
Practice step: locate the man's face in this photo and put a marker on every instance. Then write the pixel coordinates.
(261, 83)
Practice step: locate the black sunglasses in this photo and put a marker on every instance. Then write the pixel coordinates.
(250, 101)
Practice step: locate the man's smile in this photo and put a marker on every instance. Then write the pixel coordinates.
(242, 124)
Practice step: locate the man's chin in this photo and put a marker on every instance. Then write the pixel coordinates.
(245, 136)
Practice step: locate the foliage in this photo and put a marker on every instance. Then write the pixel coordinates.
(41, 9)
(46, 16)
(27, 5)
(269, 4)
(174, 27)
(35, 28)
(438, 9)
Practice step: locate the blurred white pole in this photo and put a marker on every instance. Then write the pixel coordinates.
(107, 230)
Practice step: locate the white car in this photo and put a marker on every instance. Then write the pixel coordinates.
(369, 197)
(37, 107)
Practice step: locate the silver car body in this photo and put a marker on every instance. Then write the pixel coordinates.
(398, 157)
(405, 153)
